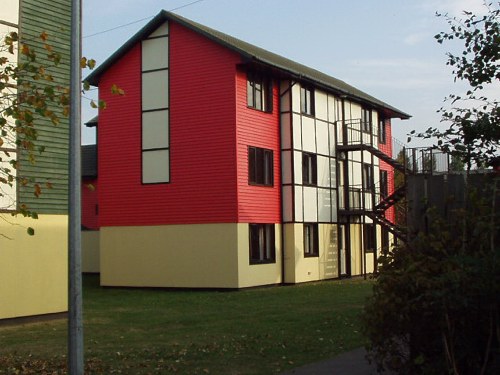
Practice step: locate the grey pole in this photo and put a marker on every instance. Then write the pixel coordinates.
(75, 323)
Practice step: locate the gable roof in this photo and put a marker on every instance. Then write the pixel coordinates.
(250, 53)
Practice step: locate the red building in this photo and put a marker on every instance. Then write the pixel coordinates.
(218, 167)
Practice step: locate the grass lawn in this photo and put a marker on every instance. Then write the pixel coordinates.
(152, 331)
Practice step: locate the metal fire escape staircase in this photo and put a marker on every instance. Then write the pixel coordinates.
(357, 138)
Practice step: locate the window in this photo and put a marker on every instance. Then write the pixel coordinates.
(311, 248)
(366, 120)
(309, 170)
(307, 101)
(259, 92)
(369, 238)
(381, 131)
(262, 248)
(367, 177)
(260, 166)
(155, 147)
(383, 184)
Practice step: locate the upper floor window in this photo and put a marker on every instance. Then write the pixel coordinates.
(367, 177)
(262, 243)
(384, 184)
(260, 166)
(366, 120)
(381, 131)
(259, 92)
(309, 169)
(307, 101)
(311, 247)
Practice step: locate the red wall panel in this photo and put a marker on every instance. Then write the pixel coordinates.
(203, 187)
(387, 149)
(89, 203)
(257, 204)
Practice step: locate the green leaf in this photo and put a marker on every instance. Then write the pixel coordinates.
(30, 231)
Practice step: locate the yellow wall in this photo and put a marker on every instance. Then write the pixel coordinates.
(90, 251)
(202, 255)
(356, 253)
(301, 269)
(33, 269)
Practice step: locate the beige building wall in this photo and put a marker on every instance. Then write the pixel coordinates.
(302, 269)
(90, 251)
(190, 256)
(33, 269)
(356, 250)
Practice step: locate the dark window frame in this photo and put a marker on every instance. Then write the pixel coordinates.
(259, 92)
(366, 120)
(369, 238)
(262, 243)
(311, 240)
(309, 169)
(368, 182)
(384, 183)
(307, 101)
(260, 166)
(382, 134)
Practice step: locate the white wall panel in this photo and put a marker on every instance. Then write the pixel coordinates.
(155, 166)
(322, 138)
(324, 205)
(155, 53)
(308, 134)
(8, 194)
(286, 131)
(332, 111)
(10, 11)
(333, 172)
(287, 203)
(297, 132)
(355, 155)
(355, 111)
(355, 175)
(321, 105)
(297, 165)
(323, 169)
(333, 148)
(334, 205)
(286, 167)
(160, 31)
(299, 214)
(310, 204)
(155, 129)
(296, 98)
(154, 90)
(285, 100)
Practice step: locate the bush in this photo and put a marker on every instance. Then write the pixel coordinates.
(435, 307)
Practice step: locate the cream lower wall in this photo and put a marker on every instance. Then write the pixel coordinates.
(302, 269)
(90, 251)
(356, 249)
(33, 269)
(190, 256)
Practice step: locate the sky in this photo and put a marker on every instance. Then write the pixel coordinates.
(385, 48)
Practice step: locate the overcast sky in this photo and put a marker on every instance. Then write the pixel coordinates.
(383, 47)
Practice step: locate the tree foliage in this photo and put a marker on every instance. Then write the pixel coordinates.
(28, 93)
(474, 118)
(435, 305)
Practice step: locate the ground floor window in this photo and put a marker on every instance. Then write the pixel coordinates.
(369, 238)
(262, 245)
(311, 243)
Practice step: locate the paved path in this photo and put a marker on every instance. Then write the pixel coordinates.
(350, 363)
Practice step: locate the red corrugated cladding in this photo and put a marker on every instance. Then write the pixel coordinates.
(386, 148)
(89, 203)
(257, 204)
(203, 142)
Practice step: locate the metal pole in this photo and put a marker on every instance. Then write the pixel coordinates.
(75, 323)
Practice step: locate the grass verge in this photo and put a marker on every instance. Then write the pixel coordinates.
(151, 331)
